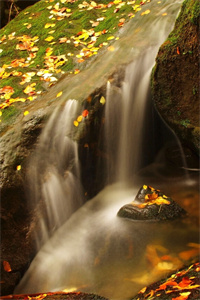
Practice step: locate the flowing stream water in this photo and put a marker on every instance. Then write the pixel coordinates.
(94, 250)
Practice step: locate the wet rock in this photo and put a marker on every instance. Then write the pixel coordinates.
(151, 204)
(57, 295)
(175, 77)
(181, 285)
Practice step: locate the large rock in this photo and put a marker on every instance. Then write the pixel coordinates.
(151, 205)
(175, 78)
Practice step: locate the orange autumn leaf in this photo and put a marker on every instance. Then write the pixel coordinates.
(6, 266)
(168, 283)
(85, 113)
(185, 282)
(6, 89)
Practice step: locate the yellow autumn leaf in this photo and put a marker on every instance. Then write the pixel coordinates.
(47, 25)
(26, 113)
(49, 38)
(110, 38)
(102, 100)
(80, 118)
(59, 94)
(146, 12)
(76, 123)
(18, 167)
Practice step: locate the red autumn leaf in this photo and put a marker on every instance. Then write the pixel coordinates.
(6, 266)
(185, 282)
(168, 283)
(178, 51)
(85, 113)
(121, 24)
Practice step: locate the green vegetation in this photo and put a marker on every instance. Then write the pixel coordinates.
(54, 37)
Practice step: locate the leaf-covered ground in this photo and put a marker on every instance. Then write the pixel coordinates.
(183, 285)
(52, 38)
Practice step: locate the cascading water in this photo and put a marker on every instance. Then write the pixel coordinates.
(54, 173)
(126, 112)
(95, 251)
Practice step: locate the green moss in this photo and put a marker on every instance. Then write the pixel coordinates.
(32, 22)
(9, 113)
(195, 13)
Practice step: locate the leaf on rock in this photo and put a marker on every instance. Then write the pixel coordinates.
(6, 266)
(59, 94)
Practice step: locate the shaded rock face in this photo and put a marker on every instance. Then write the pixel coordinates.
(175, 78)
(151, 205)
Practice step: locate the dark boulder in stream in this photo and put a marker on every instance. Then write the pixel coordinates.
(151, 204)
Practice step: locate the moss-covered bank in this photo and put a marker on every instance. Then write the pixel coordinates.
(175, 78)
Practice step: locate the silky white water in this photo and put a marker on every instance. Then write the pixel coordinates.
(94, 250)
(55, 173)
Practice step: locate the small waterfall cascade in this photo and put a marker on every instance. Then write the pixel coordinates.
(94, 251)
(54, 173)
(126, 112)
(129, 116)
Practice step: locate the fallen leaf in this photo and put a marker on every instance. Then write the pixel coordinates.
(85, 113)
(76, 123)
(146, 12)
(6, 266)
(59, 94)
(26, 113)
(102, 100)
(49, 38)
(111, 48)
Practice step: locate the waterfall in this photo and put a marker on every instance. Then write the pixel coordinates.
(126, 111)
(54, 173)
(94, 251)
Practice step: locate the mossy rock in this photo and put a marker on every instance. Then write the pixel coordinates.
(175, 77)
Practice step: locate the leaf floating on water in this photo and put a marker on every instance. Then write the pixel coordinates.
(6, 266)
